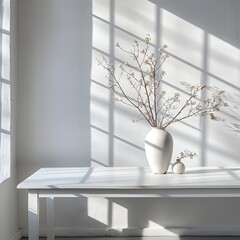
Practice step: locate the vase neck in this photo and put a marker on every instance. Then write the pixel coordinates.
(159, 129)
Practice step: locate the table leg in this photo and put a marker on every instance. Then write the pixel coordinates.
(50, 218)
(33, 215)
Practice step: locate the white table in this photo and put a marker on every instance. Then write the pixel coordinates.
(121, 182)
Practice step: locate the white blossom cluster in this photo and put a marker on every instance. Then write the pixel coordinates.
(144, 74)
(186, 154)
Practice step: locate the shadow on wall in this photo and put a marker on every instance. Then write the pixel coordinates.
(54, 94)
(210, 16)
(204, 49)
(54, 57)
(197, 56)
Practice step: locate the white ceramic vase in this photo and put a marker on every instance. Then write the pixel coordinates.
(178, 167)
(158, 149)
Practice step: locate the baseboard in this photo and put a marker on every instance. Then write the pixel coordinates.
(140, 232)
(17, 235)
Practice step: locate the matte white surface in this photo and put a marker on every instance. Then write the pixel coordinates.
(66, 182)
(130, 178)
(55, 124)
(33, 214)
(50, 217)
(158, 149)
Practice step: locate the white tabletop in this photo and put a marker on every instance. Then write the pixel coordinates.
(130, 178)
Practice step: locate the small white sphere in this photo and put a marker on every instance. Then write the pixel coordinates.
(178, 167)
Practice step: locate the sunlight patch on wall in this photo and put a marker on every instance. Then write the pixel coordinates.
(219, 148)
(99, 143)
(184, 39)
(178, 72)
(177, 75)
(99, 92)
(125, 40)
(152, 224)
(101, 9)
(6, 56)
(98, 74)
(186, 136)
(99, 106)
(127, 154)
(139, 20)
(224, 61)
(196, 57)
(119, 216)
(98, 209)
(100, 35)
(124, 127)
(224, 74)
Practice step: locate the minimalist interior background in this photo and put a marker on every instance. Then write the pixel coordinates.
(8, 194)
(66, 116)
(53, 125)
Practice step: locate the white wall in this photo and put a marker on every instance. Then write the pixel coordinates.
(54, 45)
(8, 193)
(66, 116)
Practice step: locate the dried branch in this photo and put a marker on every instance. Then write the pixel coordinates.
(144, 75)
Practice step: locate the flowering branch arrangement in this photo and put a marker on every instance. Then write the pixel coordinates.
(186, 154)
(144, 74)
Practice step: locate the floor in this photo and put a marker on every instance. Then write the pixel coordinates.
(147, 238)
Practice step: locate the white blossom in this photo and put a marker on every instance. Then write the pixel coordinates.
(144, 74)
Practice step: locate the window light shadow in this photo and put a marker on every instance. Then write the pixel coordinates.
(5, 92)
(194, 57)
